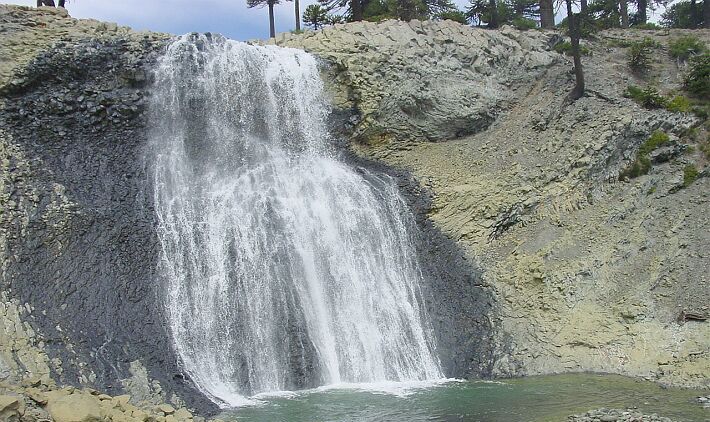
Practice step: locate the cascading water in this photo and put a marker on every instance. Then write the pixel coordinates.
(285, 268)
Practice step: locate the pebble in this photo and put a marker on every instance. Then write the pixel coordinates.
(616, 415)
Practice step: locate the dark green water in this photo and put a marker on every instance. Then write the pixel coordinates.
(534, 399)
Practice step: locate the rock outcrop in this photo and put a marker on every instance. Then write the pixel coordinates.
(590, 273)
(425, 80)
(77, 242)
(38, 400)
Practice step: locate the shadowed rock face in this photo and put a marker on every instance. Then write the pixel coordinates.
(79, 229)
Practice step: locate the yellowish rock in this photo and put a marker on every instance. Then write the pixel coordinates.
(183, 414)
(165, 408)
(75, 407)
(11, 408)
(122, 400)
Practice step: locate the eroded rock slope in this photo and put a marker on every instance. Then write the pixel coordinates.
(590, 273)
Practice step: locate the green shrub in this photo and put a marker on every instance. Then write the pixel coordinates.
(566, 48)
(705, 149)
(623, 43)
(701, 110)
(690, 133)
(454, 15)
(524, 24)
(648, 25)
(690, 175)
(685, 47)
(642, 164)
(679, 104)
(697, 81)
(656, 139)
(648, 97)
(640, 55)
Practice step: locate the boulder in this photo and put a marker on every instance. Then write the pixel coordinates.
(165, 408)
(183, 414)
(75, 407)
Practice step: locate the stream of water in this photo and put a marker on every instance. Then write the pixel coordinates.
(285, 267)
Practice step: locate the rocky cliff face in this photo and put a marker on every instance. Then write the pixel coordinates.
(564, 268)
(589, 273)
(77, 239)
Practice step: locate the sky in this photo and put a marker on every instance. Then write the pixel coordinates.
(231, 18)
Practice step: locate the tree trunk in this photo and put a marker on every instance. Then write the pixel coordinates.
(583, 6)
(356, 8)
(624, 12)
(642, 7)
(706, 14)
(298, 15)
(694, 15)
(547, 14)
(578, 90)
(272, 28)
(61, 3)
(494, 15)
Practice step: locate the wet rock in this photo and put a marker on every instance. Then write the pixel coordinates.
(616, 415)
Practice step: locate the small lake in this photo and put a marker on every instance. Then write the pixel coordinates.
(534, 399)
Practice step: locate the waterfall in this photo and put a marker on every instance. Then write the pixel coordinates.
(284, 267)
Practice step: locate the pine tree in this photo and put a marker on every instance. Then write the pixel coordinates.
(574, 35)
(270, 4)
(315, 16)
(547, 14)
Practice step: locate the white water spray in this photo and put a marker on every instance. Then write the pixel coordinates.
(285, 268)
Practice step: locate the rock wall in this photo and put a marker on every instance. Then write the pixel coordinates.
(589, 273)
(77, 239)
(545, 262)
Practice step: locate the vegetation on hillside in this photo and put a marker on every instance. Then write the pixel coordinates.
(593, 15)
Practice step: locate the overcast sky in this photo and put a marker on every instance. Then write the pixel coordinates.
(229, 17)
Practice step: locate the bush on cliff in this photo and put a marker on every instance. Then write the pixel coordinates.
(697, 81)
(640, 53)
(685, 47)
(690, 175)
(642, 164)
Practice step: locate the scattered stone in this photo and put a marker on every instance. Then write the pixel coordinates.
(616, 415)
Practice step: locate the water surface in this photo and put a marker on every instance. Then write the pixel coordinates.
(534, 399)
